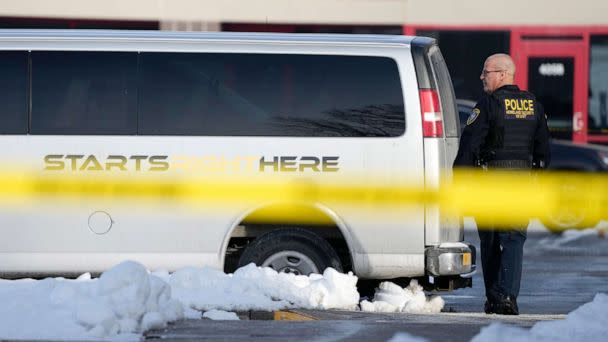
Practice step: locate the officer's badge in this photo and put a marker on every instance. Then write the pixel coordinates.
(473, 116)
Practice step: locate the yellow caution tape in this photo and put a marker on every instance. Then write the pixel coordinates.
(495, 198)
(509, 198)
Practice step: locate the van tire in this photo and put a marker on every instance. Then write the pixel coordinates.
(567, 217)
(292, 250)
(556, 227)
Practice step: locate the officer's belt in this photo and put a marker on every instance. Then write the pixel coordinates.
(510, 164)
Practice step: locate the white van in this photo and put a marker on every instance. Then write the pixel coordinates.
(335, 106)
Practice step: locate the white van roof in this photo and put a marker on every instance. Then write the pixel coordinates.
(141, 35)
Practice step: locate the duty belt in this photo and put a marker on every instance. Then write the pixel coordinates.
(510, 164)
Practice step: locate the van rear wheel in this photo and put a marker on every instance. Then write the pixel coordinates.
(557, 225)
(294, 250)
(568, 216)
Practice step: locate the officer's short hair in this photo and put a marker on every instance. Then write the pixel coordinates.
(504, 62)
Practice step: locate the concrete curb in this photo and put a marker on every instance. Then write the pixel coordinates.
(280, 315)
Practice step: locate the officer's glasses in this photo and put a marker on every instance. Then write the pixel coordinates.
(485, 73)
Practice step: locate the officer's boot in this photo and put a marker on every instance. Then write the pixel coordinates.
(489, 307)
(510, 306)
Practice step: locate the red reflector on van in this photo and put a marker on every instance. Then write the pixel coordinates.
(432, 118)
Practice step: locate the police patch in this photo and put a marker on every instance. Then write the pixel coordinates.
(473, 116)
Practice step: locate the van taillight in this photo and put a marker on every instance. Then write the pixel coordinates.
(432, 119)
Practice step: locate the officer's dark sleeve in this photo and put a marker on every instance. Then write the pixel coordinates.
(542, 150)
(465, 157)
(479, 126)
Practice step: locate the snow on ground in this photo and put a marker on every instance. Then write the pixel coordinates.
(127, 300)
(392, 298)
(123, 302)
(583, 239)
(255, 288)
(405, 337)
(587, 323)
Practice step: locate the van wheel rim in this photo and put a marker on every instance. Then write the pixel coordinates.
(291, 262)
(567, 219)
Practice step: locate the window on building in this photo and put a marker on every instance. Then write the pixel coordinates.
(58, 23)
(269, 95)
(464, 53)
(13, 92)
(598, 85)
(555, 90)
(83, 92)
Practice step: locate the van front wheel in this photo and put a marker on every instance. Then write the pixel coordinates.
(293, 250)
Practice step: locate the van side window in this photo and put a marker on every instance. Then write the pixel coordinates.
(13, 92)
(446, 91)
(231, 94)
(83, 92)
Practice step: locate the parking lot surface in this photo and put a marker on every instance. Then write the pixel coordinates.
(559, 276)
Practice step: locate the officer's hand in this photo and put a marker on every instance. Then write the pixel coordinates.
(539, 165)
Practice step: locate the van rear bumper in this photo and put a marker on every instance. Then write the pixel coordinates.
(451, 258)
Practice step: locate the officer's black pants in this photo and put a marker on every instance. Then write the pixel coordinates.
(501, 259)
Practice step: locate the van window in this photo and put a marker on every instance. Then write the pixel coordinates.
(465, 52)
(446, 93)
(13, 92)
(83, 92)
(218, 94)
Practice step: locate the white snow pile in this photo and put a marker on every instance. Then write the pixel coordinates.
(127, 300)
(589, 322)
(257, 288)
(390, 297)
(123, 302)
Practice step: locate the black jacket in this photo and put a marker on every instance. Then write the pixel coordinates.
(517, 131)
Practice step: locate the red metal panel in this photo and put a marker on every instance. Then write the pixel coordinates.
(527, 29)
(577, 49)
(597, 138)
(409, 30)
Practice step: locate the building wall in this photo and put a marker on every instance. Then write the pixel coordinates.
(512, 12)
(254, 11)
(360, 12)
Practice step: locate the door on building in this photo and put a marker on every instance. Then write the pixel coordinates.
(555, 70)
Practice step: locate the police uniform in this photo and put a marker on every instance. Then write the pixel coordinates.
(506, 130)
(465, 157)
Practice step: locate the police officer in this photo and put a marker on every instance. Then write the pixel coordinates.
(506, 130)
